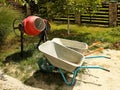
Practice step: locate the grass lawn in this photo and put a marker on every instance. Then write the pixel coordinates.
(86, 34)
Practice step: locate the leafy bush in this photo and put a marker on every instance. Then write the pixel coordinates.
(115, 34)
(7, 15)
(115, 31)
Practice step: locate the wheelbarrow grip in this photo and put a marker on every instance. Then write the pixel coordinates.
(94, 44)
(106, 69)
(99, 49)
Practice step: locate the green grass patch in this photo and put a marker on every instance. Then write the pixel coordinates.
(86, 34)
(7, 15)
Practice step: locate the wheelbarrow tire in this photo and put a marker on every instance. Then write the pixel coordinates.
(45, 66)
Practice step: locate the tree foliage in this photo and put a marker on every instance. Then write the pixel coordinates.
(53, 8)
(83, 5)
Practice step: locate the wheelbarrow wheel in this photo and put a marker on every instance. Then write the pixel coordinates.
(45, 66)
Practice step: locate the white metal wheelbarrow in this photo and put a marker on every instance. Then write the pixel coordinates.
(63, 58)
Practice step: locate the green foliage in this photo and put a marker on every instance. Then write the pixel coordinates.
(7, 16)
(51, 8)
(2, 1)
(113, 35)
(55, 8)
(82, 5)
(115, 32)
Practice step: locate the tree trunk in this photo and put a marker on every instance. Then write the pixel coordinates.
(28, 11)
(68, 20)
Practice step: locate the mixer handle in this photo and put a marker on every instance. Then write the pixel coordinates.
(18, 27)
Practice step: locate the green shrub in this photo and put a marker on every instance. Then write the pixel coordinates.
(115, 31)
(114, 35)
(7, 15)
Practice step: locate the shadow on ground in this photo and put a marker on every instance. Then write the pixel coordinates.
(72, 36)
(17, 57)
(54, 81)
(47, 81)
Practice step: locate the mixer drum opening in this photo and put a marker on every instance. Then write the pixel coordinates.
(39, 24)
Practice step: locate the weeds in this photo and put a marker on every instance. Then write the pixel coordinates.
(7, 15)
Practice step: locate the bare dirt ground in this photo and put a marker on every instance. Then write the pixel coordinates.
(99, 79)
(93, 79)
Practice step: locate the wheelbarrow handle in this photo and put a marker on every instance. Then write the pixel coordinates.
(93, 67)
(90, 57)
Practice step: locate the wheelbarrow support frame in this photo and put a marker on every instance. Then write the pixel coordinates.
(72, 82)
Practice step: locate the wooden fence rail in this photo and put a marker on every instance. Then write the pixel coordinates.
(100, 17)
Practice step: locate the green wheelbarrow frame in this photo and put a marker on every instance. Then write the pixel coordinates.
(72, 82)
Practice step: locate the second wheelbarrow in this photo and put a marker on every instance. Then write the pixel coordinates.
(75, 45)
(81, 47)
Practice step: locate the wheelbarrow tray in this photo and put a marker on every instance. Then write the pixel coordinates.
(78, 46)
(61, 56)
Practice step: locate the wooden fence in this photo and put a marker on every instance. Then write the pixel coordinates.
(106, 15)
(118, 14)
(63, 19)
(99, 17)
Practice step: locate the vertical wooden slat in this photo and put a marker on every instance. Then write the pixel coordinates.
(112, 14)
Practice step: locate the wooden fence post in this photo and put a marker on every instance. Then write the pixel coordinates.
(78, 18)
(113, 14)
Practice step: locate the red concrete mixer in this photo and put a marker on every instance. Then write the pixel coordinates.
(33, 26)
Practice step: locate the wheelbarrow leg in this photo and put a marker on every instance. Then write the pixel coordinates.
(72, 82)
